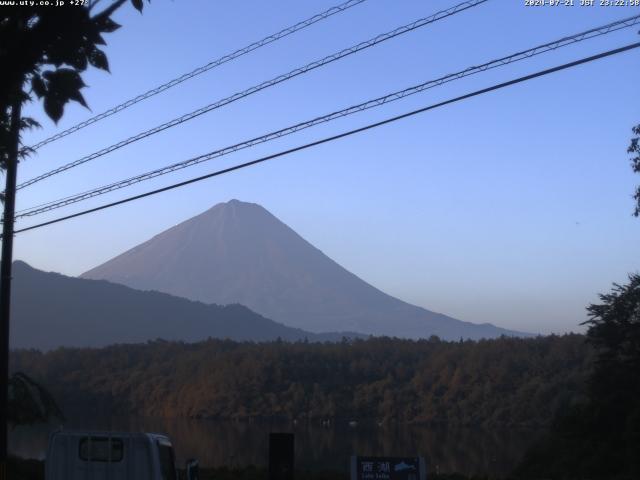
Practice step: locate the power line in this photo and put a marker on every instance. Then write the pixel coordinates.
(562, 42)
(202, 69)
(269, 83)
(341, 135)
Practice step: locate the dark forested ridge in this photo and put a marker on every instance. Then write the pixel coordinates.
(505, 381)
(52, 310)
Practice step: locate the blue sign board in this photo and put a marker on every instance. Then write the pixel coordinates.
(388, 468)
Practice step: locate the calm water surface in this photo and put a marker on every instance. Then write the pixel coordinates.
(238, 444)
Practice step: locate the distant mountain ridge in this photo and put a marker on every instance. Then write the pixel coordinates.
(238, 252)
(50, 310)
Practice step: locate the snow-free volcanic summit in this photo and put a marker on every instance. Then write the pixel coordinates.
(238, 252)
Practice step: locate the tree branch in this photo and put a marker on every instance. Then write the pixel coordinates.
(110, 9)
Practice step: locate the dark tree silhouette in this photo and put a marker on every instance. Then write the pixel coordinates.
(634, 149)
(43, 51)
(600, 438)
(614, 385)
(29, 402)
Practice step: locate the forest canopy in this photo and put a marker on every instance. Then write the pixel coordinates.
(507, 381)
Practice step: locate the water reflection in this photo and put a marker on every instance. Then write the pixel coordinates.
(238, 444)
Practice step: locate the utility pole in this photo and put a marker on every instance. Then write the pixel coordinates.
(5, 277)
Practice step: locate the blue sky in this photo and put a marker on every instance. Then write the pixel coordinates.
(512, 208)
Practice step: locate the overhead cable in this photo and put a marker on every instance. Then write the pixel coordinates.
(521, 55)
(202, 69)
(269, 83)
(339, 136)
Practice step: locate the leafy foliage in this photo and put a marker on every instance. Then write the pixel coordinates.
(614, 329)
(44, 52)
(600, 438)
(634, 149)
(29, 402)
(506, 381)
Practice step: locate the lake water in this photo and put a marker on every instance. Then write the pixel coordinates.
(238, 444)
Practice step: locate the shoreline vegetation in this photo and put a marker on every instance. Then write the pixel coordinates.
(583, 388)
(506, 382)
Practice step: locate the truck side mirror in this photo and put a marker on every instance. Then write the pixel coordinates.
(193, 469)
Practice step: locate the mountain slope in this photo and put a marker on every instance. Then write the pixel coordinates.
(51, 310)
(238, 252)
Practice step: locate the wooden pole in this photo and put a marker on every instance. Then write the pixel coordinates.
(5, 277)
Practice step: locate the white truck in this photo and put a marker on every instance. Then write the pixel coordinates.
(83, 455)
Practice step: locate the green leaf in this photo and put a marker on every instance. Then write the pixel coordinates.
(99, 40)
(105, 24)
(63, 81)
(98, 59)
(77, 96)
(64, 86)
(47, 74)
(28, 123)
(38, 86)
(78, 60)
(53, 108)
(137, 4)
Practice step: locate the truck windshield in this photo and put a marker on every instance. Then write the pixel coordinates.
(167, 463)
(101, 449)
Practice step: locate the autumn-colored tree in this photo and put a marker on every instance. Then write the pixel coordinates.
(501, 382)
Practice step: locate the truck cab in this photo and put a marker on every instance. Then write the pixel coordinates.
(86, 455)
